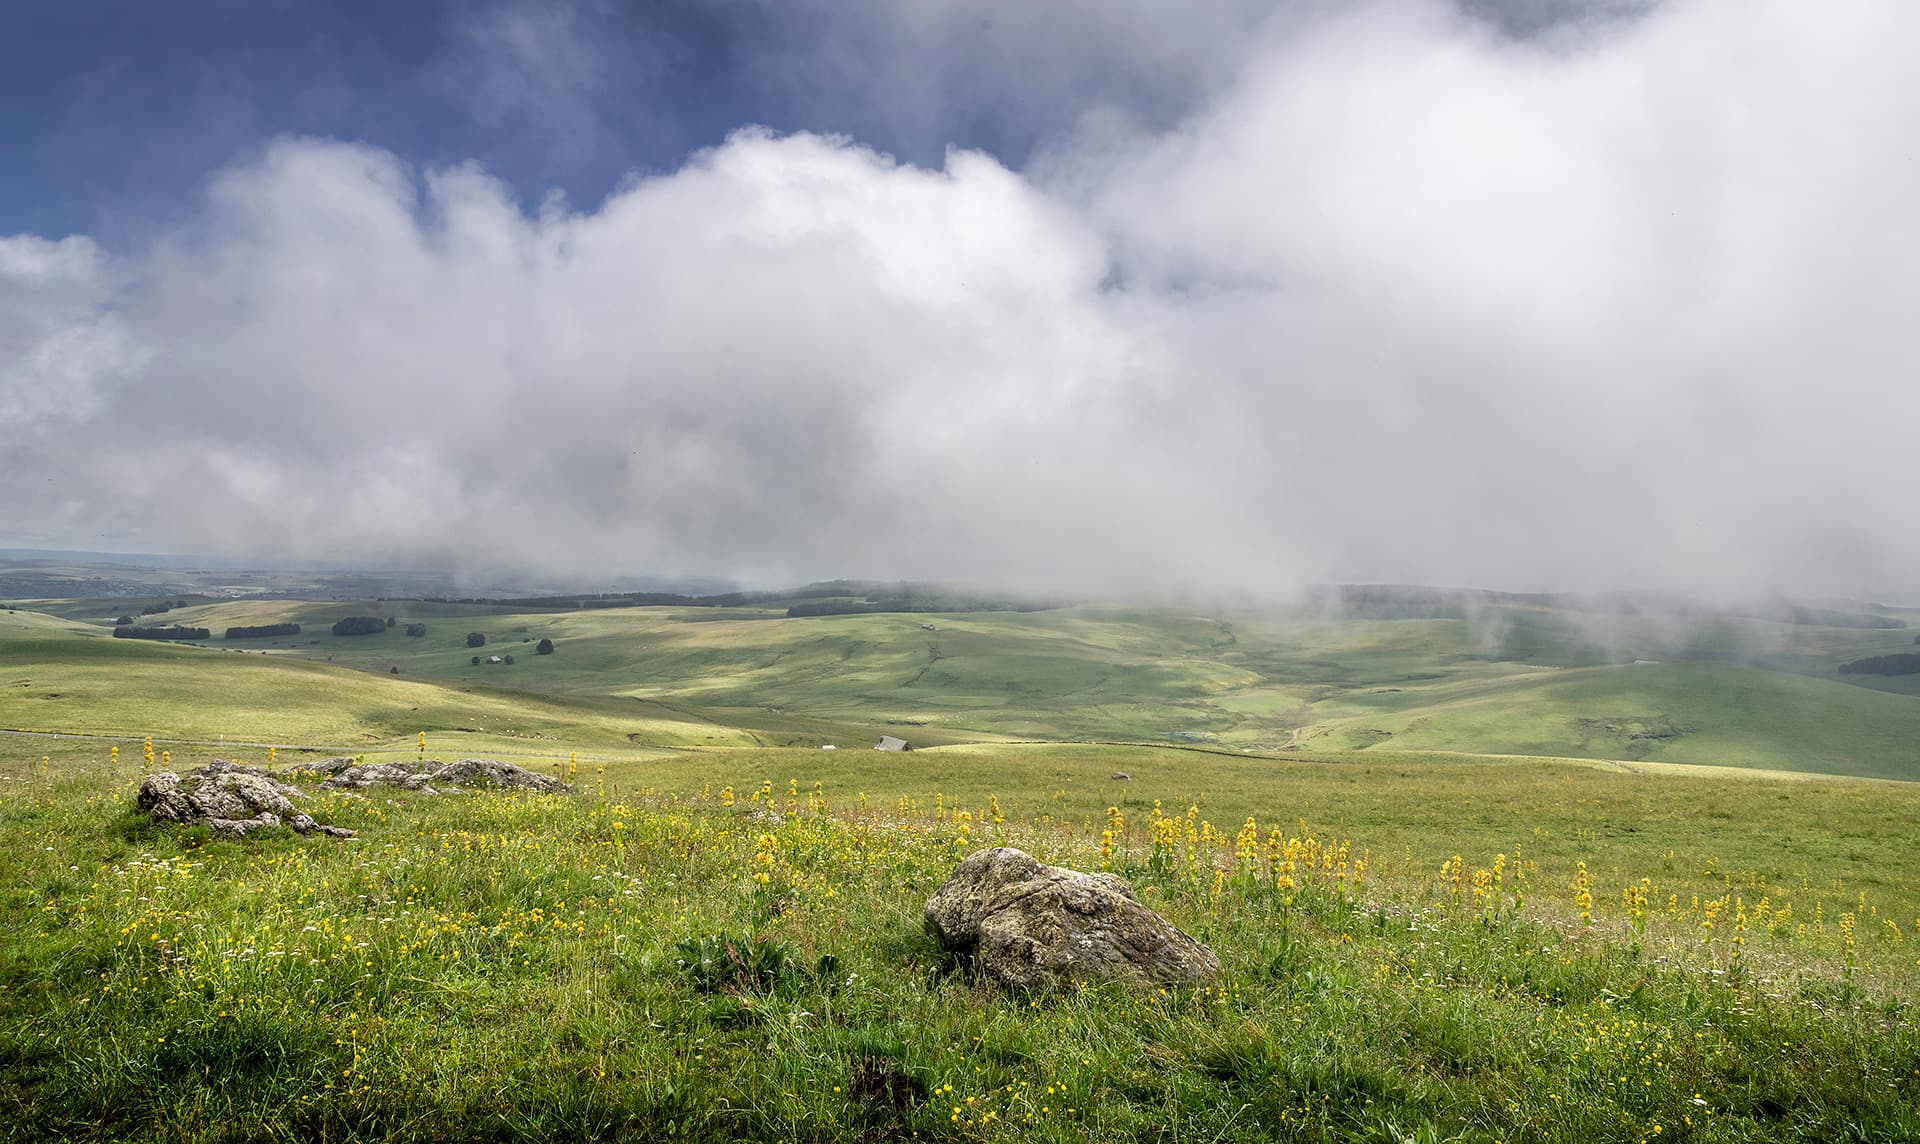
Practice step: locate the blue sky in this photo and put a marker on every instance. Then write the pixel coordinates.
(1514, 293)
(115, 111)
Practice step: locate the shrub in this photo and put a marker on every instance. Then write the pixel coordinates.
(395, 669)
(124, 620)
(416, 629)
(476, 661)
(359, 626)
(156, 609)
(476, 639)
(544, 647)
(391, 621)
(506, 659)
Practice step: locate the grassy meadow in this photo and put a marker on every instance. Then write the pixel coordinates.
(1455, 929)
(1521, 681)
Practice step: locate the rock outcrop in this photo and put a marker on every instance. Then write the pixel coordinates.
(1029, 925)
(232, 799)
(321, 767)
(228, 798)
(444, 777)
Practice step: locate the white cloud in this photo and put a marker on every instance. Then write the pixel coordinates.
(1405, 299)
(544, 64)
(60, 345)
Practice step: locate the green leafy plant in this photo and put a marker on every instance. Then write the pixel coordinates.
(721, 962)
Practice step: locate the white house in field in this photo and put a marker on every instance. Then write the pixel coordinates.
(889, 743)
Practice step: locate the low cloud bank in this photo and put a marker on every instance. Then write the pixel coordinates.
(1404, 300)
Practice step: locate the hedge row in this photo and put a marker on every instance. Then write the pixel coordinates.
(261, 630)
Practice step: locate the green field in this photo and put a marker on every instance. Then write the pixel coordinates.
(517, 968)
(1514, 681)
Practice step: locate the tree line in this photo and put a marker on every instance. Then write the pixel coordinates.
(259, 631)
(1899, 663)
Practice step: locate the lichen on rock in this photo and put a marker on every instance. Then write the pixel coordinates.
(1030, 925)
(445, 777)
(228, 798)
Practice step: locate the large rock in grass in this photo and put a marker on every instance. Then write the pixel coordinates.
(1030, 925)
(322, 768)
(465, 774)
(229, 799)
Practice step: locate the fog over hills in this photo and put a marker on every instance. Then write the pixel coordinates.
(1532, 297)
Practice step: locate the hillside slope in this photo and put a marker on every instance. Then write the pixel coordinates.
(1522, 681)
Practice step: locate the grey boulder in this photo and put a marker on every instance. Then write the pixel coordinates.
(489, 773)
(228, 798)
(1029, 925)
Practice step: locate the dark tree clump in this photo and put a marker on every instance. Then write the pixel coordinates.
(391, 621)
(263, 630)
(124, 620)
(395, 669)
(544, 647)
(156, 609)
(359, 626)
(1899, 663)
(416, 629)
(135, 632)
(506, 659)
(476, 639)
(476, 661)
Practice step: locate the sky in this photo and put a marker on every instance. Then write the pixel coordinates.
(1100, 295)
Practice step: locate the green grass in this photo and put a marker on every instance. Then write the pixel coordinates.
(510, 968)
(59, 677)
(507, 968)
(133, 688)
(1526, 681)
(1713, 714)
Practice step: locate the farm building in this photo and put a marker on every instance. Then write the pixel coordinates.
(889, 743)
